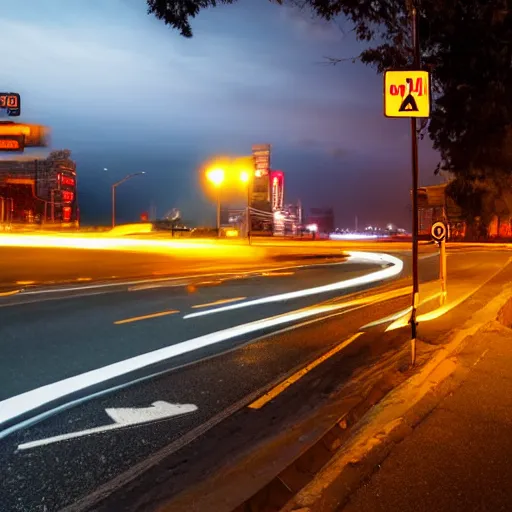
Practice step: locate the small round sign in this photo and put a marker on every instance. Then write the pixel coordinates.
(438, 231)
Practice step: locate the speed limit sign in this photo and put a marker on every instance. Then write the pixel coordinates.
(438, 231)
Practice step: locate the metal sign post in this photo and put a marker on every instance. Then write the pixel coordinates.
(442, 270)
(438, 232)
(407, 94)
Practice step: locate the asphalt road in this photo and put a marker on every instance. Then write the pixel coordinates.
(45, 341)
(91, 331)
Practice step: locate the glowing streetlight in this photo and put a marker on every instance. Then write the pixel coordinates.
(216, 176)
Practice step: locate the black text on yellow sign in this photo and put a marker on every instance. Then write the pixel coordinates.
(406, 94)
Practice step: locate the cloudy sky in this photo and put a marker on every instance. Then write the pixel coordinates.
(126, 93)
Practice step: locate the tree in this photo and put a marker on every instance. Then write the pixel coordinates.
(60, 154)
(466, 45)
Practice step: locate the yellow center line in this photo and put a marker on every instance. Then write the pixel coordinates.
(146, 317)
(270, 395)
(218, 302)
(25, 282)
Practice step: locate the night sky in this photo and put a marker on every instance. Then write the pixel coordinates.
(126, 93)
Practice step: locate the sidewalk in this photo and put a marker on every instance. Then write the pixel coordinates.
(459, 457)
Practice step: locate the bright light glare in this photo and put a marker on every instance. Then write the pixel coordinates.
(109, 241)
(244, 176)
(216, 176)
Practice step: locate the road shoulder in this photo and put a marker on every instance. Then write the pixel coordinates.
(373, 463)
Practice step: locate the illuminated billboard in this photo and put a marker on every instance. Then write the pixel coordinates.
(261, 156)
(11, 102)
(277, 190)
(261, 185)
(12, 143)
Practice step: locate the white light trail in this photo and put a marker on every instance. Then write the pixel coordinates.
(13, 407)
(392, 271)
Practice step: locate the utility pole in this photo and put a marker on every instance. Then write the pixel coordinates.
(248, 214)
(218, 212)
(414, 155)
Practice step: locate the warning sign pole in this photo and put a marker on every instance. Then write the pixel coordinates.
(414, 154)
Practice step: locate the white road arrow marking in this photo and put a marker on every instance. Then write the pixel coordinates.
(123, 417)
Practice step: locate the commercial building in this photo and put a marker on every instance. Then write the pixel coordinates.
(40, 191)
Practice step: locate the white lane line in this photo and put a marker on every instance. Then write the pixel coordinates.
(386, 273)
(15, 406)
(123, 417)
(387, 319)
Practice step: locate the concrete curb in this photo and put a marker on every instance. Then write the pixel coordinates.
(386, 423)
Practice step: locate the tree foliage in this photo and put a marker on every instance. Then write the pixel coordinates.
(466, 45)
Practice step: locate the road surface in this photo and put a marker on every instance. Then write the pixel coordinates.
(258, 328)
(34, 260)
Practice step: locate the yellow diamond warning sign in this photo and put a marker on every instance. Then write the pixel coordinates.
(406, 94)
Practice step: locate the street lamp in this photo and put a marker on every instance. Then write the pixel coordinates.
(245, 177)
(114, 186)
(216, 177)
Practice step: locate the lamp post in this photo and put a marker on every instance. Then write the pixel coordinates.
(245, 177)
(114, 186)
(216, 177)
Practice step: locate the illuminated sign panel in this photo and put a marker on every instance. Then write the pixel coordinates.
(406, 94)
(261, 156)
(11, 102)
(12, 143)
(67, 196)
(277, 189)
(67, 181)
(35, 135)
(66, 213)
(261, 185)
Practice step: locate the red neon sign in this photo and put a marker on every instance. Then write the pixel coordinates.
(67, 196)
(66, 213)
(67, 180)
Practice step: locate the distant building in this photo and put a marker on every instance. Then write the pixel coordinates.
(434, 204)
(323, 218)
(39, 191)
